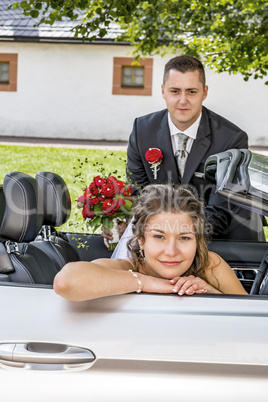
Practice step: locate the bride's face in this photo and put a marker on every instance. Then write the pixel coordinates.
(169, 245)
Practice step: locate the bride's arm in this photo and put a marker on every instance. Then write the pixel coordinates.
(84, 280)
(80, 280)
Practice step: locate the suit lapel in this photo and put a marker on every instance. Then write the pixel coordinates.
(199, 148)
(168, 169)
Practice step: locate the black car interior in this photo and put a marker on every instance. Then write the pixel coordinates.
(22, 221)
(32, 251)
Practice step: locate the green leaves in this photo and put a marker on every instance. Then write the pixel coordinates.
(128, 204)
(34, 13)
(38, 6)
(231, 35)
(15, 5)
(23, 4)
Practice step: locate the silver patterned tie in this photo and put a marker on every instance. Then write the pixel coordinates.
(181, 153)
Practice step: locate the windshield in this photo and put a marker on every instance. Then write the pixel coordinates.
(258, 172)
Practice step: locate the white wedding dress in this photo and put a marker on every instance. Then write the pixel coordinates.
(121, 251)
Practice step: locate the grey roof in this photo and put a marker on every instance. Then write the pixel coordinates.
(14, 26)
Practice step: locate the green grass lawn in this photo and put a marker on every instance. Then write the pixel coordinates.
(76, 166)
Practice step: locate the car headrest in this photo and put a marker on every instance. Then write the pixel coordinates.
(2, 203)
(24, 210)
(57, 201)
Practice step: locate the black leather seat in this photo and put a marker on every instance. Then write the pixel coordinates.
(260, 285)
(6, 266)
(22, 219)
(57, 210)
(56, 196)
(2, 203)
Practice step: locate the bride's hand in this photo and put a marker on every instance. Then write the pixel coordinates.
(190, 285)
(151, 284)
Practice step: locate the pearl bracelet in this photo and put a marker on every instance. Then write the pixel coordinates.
(138, 280)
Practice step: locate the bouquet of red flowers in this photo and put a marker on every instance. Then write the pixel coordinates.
(104, 200)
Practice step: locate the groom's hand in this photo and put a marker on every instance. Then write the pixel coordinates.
(108, 235)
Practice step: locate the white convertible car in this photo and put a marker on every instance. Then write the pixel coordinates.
(134, 347)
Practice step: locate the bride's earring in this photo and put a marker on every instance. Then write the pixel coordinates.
(142, 253)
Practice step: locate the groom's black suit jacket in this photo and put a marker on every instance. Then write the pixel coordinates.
(215, 134)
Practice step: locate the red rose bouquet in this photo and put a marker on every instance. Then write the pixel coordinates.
(104, 201)
(154, 156)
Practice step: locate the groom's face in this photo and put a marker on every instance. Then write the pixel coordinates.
(184, 94)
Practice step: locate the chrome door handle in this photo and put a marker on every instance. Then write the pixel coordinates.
(44, 353)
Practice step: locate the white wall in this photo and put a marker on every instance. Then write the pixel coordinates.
(244, 103)
(65, 91)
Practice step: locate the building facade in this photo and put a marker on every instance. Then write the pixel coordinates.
(55, 86)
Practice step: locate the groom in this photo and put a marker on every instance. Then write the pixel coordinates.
(204, 133)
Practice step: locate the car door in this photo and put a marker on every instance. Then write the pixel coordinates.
(144, 347)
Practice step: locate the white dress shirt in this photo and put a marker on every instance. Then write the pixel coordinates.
(191, 132)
